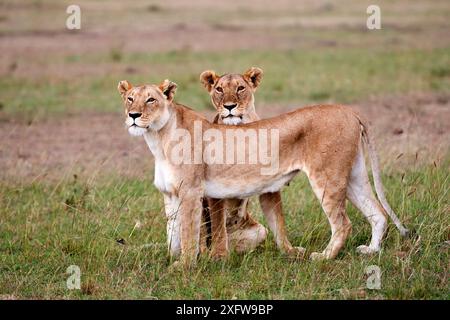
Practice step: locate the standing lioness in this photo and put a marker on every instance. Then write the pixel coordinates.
(325, 142)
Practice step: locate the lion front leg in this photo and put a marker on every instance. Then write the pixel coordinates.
(219, 243)
(190, 218)
(205, 228)
(172, 210)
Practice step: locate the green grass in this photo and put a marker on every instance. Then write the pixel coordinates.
(292, 77)
(46, 227)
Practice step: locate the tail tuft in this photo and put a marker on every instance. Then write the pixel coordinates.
(405, 233)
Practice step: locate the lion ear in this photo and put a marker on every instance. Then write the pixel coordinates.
(123, 87)
(208, 78)
(168, 89)
(253, 76)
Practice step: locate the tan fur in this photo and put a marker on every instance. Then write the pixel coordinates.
(244, 233)
(322, 141)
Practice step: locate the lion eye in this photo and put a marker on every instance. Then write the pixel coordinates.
(240, 88)
(150, 100)
(130, 99)
(219, 89)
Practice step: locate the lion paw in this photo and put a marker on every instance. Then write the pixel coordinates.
(183, 264)
(219, 255)
(366, 250)
(317, 256)
(297, 252)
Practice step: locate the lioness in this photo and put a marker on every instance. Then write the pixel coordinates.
(325, 142)
(232, 95)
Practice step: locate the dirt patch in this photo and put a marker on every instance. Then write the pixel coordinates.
(30, 32)
(408, 129)
(82, 144)
(414, 128)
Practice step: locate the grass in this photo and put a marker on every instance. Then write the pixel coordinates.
(292, 77)
(46, 227)
(113, 227)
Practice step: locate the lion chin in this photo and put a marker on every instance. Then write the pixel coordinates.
(136, 131)
(233, 120)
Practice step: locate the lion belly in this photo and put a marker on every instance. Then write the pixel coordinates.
(221, 189)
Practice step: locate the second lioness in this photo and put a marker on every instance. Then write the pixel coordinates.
(232, 96)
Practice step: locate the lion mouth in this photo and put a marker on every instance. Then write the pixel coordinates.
(232, 116)
(135, 125)
(136, 130)
(232, 120)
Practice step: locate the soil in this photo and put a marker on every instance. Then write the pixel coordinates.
(410, 128)
(407, 129)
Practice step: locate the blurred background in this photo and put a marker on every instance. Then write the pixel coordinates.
(59, 108)
(76, 189)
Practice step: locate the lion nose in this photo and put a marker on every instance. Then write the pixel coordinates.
(134, 115)
(229, 106)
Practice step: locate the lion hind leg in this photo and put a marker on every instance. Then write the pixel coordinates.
(359, 192)
(244, 232)
(247, 238)
(332, 199)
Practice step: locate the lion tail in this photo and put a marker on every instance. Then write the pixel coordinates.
(377, 179)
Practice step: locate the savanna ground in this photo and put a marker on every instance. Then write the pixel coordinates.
(75, 189)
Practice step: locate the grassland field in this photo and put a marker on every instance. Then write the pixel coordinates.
(75, 189)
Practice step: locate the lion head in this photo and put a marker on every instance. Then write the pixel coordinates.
(232, 94)
(146, 107)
